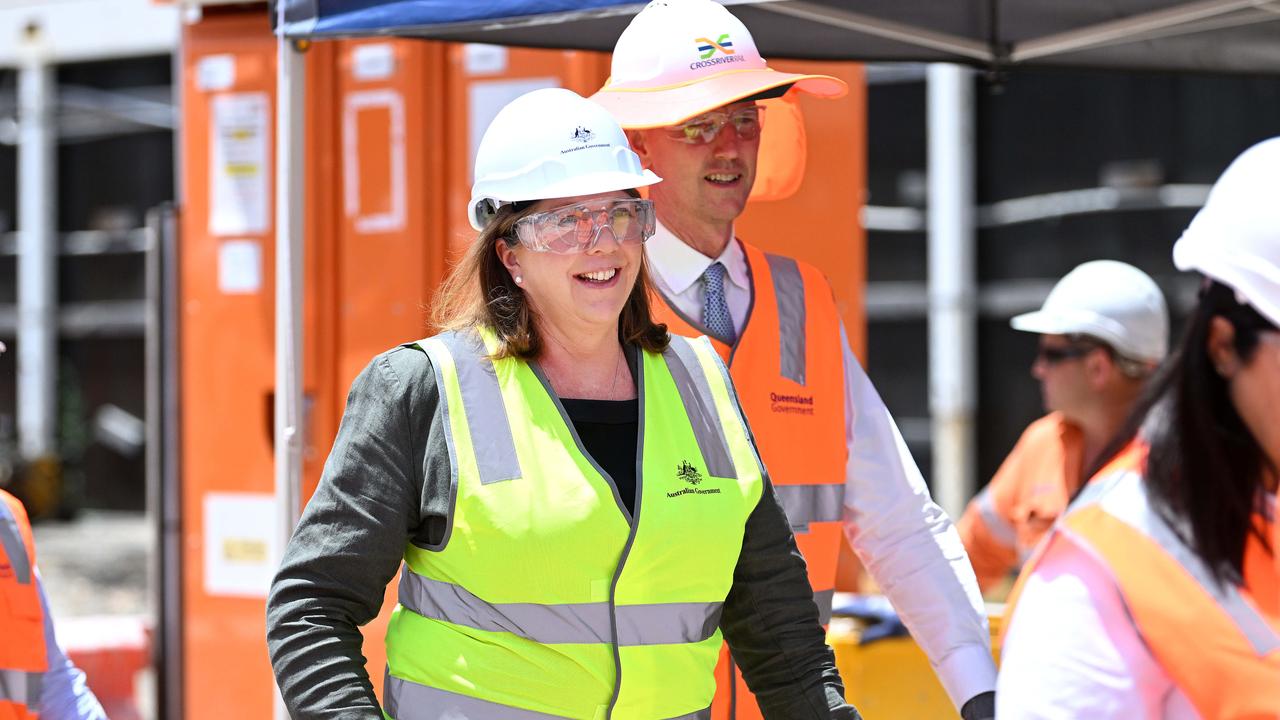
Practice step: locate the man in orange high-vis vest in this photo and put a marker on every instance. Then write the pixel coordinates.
(36, 679)
(685, 78)
(1097, 350)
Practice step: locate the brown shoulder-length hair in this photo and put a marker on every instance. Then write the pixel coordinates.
(479, 291)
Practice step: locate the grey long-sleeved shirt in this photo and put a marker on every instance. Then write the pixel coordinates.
(387, 480)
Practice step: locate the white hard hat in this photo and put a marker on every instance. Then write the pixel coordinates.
(681, 58)
(1235, 238)
(551, 143)
(1112, 301)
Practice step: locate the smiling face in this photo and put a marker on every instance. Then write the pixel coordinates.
(582, 292)
(702, 183)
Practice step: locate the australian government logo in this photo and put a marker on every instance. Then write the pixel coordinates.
(791, 404)
(708, 49)
(687, 472)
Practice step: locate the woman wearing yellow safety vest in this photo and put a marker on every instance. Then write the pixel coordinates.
(572, 495)
(1157, 595)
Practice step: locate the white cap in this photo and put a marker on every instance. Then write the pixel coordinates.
(680, 58)
(551, 143)
(1112, 301)
(1235, 238)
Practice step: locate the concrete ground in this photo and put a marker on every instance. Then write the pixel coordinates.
(95, 571)
(96, 564)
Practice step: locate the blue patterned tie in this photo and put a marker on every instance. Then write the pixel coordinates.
(715, 311)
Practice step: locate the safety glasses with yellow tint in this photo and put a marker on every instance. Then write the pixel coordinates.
(577, 228)
(703, 129)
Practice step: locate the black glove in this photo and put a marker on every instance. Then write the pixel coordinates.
(980, 707)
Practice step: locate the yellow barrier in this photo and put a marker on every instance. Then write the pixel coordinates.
(891, 679)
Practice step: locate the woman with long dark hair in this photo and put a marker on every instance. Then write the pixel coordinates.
(1158, 594)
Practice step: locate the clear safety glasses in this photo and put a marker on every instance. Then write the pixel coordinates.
(577, 228)
(704, 128)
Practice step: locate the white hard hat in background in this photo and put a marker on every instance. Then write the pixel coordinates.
(1112, 301)
(681, 58)
(1235, 238)
(551, 143)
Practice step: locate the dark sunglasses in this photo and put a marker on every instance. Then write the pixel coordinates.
(1055, 355)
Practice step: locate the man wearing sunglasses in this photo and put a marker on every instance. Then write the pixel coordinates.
(686, 82)
(1103, 330)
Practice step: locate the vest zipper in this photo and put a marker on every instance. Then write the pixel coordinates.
(631, 536)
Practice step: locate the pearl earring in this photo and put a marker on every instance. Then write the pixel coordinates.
(519, 279)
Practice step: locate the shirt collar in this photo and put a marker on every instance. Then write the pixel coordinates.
(680, 266)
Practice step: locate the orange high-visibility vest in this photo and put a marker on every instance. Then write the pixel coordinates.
(788, 367)
(22, 650)
(1219, 645)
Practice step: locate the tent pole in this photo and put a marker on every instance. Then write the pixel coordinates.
(290, 88)
(952, 283)
(37, 256)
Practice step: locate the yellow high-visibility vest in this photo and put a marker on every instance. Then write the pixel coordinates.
(547, 599)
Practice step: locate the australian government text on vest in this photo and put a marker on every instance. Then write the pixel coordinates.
(547, 598)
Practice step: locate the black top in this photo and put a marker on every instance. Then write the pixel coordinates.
(609, 430)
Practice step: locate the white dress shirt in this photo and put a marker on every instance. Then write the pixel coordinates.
(904, 539)
(64, 694)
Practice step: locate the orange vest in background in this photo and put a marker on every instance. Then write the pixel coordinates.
(1220, 646)
(22, 651)
(788, 367)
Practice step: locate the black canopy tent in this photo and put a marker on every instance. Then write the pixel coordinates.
(1207, 35)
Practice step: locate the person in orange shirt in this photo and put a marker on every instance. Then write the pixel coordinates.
(1103, 330)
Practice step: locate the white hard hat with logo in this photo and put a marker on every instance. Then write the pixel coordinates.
(551, 143)
(1109, 300)
(1235, 238)
(680, 58)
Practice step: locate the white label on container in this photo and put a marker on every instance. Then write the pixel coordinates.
(216, 72)
(240, 267)
(373, 62)
(241, 543)
(239, 164)
(481, 59)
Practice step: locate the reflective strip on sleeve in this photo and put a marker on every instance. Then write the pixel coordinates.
(788, 288)
(805, 504)
(21, 687)
(1126, 499)
(695, 393)
(570, 623)
(486, 413)
(14, 547)
(1000, 529)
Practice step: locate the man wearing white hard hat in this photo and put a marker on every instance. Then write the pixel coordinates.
(686, 77)
(1155, 595)
(1103, 330)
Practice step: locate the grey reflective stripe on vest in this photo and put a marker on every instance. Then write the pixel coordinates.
(22, 687)
(788, 288)
(999, 528)
(14, 547)
(806, 504)
(495, 451)
(1126, 499)
(695, 393)
(656, 624)
(407, 700)
(823, 599)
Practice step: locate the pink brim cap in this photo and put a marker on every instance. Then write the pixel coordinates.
(642, 108)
